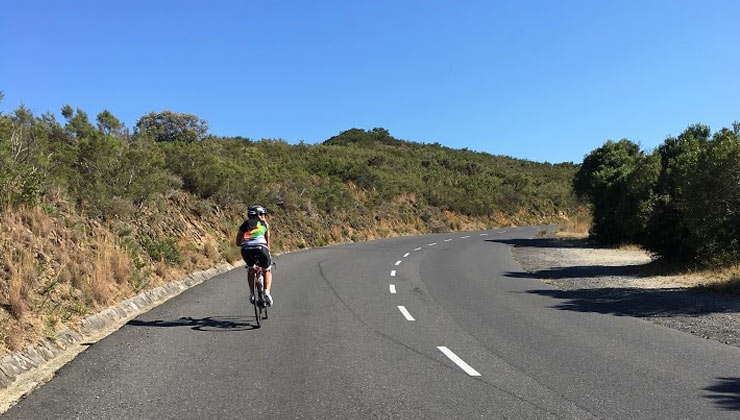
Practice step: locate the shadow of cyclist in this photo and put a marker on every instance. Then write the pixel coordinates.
(210, 323)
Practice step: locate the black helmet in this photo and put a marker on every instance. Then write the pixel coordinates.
(254, 211)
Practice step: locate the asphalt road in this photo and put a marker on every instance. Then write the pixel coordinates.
(433, 327)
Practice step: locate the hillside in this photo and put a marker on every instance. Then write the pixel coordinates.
(91, 215)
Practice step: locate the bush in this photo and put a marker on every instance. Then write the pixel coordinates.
(162, 249)
(711, 202)
(604, 179)
(681, 202)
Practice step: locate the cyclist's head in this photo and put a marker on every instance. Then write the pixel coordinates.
(255, 211)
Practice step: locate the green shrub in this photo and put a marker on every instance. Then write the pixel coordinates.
(161, 249)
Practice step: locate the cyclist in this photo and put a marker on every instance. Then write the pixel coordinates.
(254, 239)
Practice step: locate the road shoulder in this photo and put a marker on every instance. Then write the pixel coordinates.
(623, 283)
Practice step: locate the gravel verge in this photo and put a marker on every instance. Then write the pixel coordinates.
(621, 282)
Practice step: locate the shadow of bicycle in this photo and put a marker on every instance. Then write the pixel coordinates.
(211, 323)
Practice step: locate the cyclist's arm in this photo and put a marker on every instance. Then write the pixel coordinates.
(267, 237)
(239, 237)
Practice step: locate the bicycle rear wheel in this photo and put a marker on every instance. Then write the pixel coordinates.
(256, 303)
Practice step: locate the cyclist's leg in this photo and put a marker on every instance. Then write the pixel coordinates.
(250, 278)
(268, 283)
(265, 261)
(249, 259)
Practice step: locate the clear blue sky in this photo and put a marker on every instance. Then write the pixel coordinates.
(537, 80)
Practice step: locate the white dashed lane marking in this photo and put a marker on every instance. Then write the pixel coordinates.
(458, 361)
(406, 313)
(447, 352)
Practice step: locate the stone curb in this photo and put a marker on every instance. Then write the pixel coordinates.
(96, 326)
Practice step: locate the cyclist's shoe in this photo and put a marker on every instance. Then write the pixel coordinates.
(251, 298)
(268, 298)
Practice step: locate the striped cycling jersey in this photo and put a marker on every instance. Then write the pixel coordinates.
(254, 232)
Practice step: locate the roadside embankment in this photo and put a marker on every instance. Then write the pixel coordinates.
(23, 371)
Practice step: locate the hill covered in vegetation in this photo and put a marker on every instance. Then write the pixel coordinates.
(92, 212)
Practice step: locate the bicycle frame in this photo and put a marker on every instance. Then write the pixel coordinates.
(258, 289)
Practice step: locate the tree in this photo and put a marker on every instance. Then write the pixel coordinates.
(21, 172)
(109, 125)
(666, 231)
(78, 125)
(98, 166)
(711, 202)
(142, 174)
(168, 126)
(604, 180)
(377, 135)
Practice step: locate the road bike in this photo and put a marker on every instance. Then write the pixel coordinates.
(258, 290)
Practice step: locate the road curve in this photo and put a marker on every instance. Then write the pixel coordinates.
(435, 326)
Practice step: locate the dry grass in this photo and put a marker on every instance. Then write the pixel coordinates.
(13, 337)
(654, 273)
(335, 233)
(98, 287)
(121, 266)
(18, 272)
(232, 253)
(576, 226)
(38, 222)
(161, 269)
(22, 275)
(54, 270)
(725, 281)
(16, 304)
(210, 250)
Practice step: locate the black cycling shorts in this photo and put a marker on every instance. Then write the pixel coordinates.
(257, 254)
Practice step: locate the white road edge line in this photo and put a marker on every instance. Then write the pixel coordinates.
(448, 240)
(417, 249)
(465, 237)
(458, 361)
(406, 254)
(433, 243)
(406, 313)
(483, 234)
(398, 262)
(393, 273)
(393, 289)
